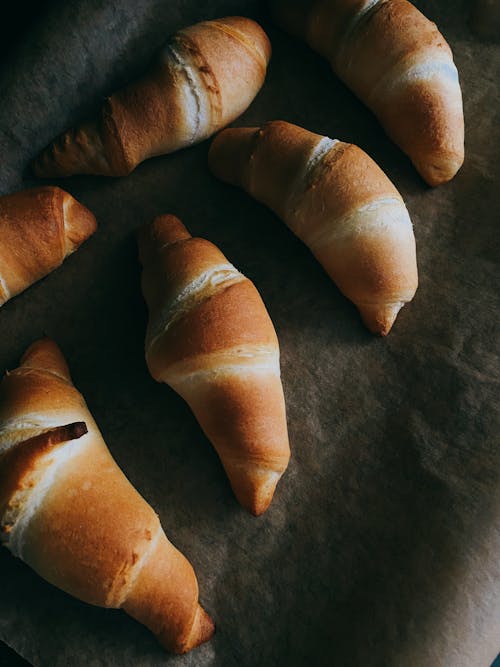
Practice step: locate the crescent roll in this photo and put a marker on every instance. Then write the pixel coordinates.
(39, 228)
(335, 199)
(399, 64)
(211, 339)
(202, 79)
(68, 511)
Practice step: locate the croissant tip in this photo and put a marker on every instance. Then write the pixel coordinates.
(259, 505)
(206, 627)
(379, 319)
(45, 354)
(253, 508)
(203, 629)
(80, 223)
(442, 169)
(254, 486)
(164, 230)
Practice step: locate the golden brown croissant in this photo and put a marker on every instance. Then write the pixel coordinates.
(336, 200)
(398, 63)
(204, 78)
(67, 510)
(210, 338)
(39, 228)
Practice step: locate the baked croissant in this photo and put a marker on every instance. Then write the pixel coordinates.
(67, 510)
(39, 228)
(204, 77)
(210, 338)
(398, 63)
(338, 202)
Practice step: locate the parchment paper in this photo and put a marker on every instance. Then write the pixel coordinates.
(381, 546)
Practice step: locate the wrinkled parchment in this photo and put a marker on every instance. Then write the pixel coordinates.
(381, 546)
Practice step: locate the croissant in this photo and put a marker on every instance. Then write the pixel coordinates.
(39, 228)
(210, 338)
(398, 63)
(67, 510)
(204, 77)
(338, 202)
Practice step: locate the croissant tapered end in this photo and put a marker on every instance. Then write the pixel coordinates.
(45, 355)
(229, 153)
(253, 485)
(79, 223)
(80, 150)
(205, 627)
(202, 631)
(379, 318)
(441, 168)
(163, 231)
(431, 131)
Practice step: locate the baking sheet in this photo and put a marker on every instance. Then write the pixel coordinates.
(381, 546)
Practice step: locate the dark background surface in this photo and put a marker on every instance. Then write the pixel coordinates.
(8, 658)
(17, 19)
(380, 545)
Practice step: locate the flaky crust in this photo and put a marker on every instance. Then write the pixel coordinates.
(210, 338)
(39, 228)
(69, 512)
(338, 201)
(204, 77)
(399, 64)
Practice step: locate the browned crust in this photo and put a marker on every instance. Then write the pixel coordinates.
(168, 250)
(396, 24)
(377, 272)
(178, 266)
(219, 322)
(235, 413)
(425, 118)
(148, 117)
(18, 463)
(278, 152)
(249, 34)
(92, 529)
(242, 413)
(429, 126)
(168, 584)
(38, 229)
(24, 390)
(229, 159)
(349, 179)
(79, 223)
(163, 231)
(143, 117)
(45, 355)
(277, 149)
(232, 317)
